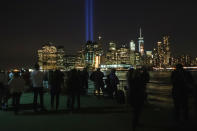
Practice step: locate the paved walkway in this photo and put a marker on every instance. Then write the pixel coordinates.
(95, 115)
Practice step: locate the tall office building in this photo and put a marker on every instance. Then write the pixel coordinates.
(167, 52)
(112, 46)
(111, 55)
(132, 46)
(123, 55)
(141, 44)
(60, 58)
(132, 52)
(71, 62)
(92, 54)
(80, 60)
(137, 59)
(149, 58)
(162, 53)
(89, 53)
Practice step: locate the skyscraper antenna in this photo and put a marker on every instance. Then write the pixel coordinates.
(140, 32)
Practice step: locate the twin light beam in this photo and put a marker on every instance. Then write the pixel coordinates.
(89, 6)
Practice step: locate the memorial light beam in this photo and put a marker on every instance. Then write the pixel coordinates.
(91, 20)
(87, 19)
(89, 10)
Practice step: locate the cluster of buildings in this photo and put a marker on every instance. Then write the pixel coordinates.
(51, 57)
(162, 56)
(93, 55)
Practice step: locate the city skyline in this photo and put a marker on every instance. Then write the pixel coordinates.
(26, 26)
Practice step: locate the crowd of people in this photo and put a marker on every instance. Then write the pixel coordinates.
(75, 83)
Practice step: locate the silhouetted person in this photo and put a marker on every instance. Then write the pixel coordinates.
(73, 85)
(4, 90)
(191, 85)
(146, 78)
(97, 77)
(84, 79)
(180, 92)
(112, 83)
(137, 95)
(195, 96)
(130, 82)
(16, 86)
(37, 80)
(3, 83)
(56, 82)
(26, 76)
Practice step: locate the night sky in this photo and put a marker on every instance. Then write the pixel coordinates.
(26, 25)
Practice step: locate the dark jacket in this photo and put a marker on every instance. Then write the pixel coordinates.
(97, 77)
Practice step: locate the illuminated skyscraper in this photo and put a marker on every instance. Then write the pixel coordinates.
(111, 55)
(141, 43)
(166, 50)
(70, 62)
(132, 53)
(123, 55)
(132, 46)
(98, 52)
(89, 53)
(162, 54)
(60, 58)
(112, 46)
(92, 54)
(80, 61)
(137, 59)
(160, 51)
(149, 58)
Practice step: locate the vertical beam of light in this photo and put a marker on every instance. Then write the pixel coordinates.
(87, 19)
(89, 14)
(91, 20)
(89, 23)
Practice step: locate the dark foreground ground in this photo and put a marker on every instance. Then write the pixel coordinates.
(95, 115)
